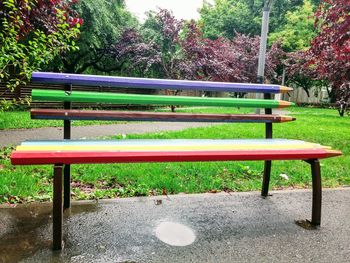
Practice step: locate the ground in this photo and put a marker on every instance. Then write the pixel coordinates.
(238, 227)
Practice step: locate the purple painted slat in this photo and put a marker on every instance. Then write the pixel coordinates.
(127, 82)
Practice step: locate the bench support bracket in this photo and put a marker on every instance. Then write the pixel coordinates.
(57, 210)
(67, 134)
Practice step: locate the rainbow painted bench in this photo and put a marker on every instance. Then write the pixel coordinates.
(63, 153)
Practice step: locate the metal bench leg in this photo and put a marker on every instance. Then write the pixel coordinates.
(267, 165)
(66, 191)
(57, 211)
(316, 197)
(316, 192)
(266, 179)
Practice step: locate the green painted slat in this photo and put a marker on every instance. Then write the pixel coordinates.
(136, 99)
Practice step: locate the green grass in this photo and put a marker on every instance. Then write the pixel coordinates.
(26, 183)
(22, 120)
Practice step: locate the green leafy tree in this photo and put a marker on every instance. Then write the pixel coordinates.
(32, 33)
(299, 29)
(104, 22)
(163, 29)
(226, 17)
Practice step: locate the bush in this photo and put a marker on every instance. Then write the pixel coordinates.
(32, 33)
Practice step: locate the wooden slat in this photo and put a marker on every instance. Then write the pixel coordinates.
(111, 81)
(153, 116)
(137, 99)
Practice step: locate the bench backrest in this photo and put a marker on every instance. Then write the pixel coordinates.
(69, 95)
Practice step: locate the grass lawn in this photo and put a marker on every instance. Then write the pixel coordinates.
(323, 126)
(22, 120)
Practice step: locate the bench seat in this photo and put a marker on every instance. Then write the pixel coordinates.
(159, 150)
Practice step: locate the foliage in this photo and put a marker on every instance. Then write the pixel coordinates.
(104, 22)
(168, 48)
(133, 55)
(32, 33)
(154, 50)
(300, 73)
(163, 29)
(328, 59)
(226, 17)
(10, 105)
(299, 29)
(330, 49)
(228, 60)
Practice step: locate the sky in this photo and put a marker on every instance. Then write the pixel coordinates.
(182, 9)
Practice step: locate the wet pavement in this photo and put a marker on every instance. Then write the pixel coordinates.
(237, 227)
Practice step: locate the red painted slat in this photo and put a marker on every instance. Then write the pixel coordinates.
(25, 158)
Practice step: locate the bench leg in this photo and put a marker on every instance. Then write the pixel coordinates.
(316, 197)
(266, 179)
(57, 211)
(316, 192)
(66, 191)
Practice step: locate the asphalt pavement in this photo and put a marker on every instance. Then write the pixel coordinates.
(236, 227)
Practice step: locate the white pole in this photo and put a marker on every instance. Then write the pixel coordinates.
(263, 44)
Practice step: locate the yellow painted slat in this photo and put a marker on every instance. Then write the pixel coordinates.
(171, 147)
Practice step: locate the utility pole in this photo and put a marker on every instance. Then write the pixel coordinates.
(263, 44)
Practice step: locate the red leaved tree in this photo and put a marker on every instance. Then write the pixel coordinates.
(330, 49)
(226, 60)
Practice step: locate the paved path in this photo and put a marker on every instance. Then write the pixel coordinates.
(238, 227)
(14, 137)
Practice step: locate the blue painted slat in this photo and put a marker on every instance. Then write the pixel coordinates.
(127, 82)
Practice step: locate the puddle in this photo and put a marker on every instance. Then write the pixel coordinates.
(175, 234)
(26, 229)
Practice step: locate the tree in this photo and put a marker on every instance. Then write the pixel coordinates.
(330, 49)
(299, 29)
(103, 26)
(226, 17)
(300, 73)
(328, 59)
(154, 50)
(133, 56)
(163, 29)
(227, 60)
(32, 33)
